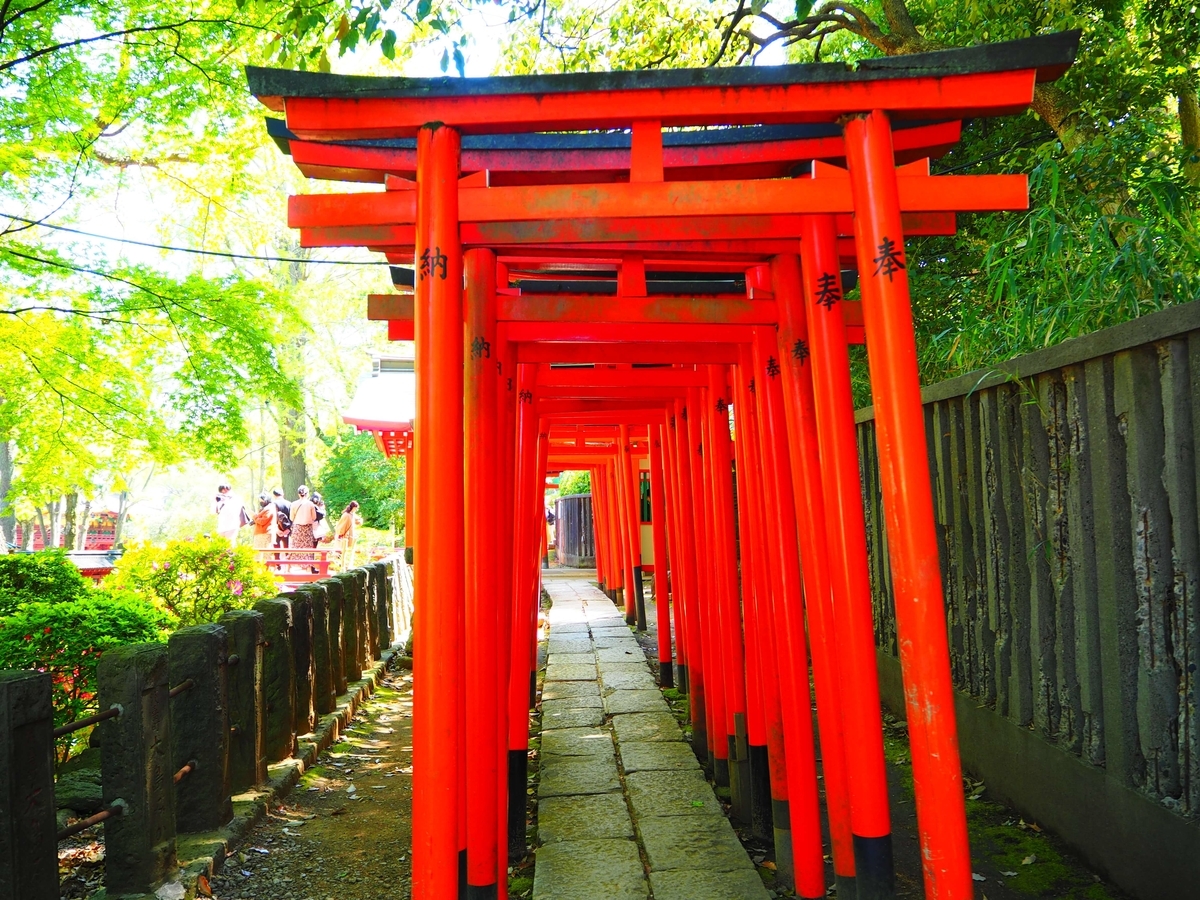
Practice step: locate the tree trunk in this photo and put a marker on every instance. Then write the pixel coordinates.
(44, 531)
(85, 525)
(8, 519)
(293, 469)
(69, 512)
(122, 515)
(55, 510)
(1189, 129)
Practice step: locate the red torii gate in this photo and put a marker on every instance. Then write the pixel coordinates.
(439, 216)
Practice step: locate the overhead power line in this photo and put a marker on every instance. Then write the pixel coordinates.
(108, 237)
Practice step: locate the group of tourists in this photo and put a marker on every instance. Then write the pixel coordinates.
(299, 524)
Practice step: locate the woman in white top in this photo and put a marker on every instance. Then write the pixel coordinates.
(229, 514)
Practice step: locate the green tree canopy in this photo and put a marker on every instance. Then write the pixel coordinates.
(358, 470)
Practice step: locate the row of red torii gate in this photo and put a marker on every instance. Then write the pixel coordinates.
(614, 265)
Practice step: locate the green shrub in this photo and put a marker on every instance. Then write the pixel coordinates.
(66, 640)
(574, 483)
(195, 580)
(46, 576)
(358, 470)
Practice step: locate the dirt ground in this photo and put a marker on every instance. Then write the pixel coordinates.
(343, 833)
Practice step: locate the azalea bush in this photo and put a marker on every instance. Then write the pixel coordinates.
(194, 581)
(46, 576)
(67, 639)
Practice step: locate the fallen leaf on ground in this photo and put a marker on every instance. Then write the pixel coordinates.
(978, 877)
(1029, 860)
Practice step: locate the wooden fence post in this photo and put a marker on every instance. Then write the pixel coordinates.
(28, 851)
(200, 727)
(302, 653)
(136, 771)
(247, 764)
(279, 679)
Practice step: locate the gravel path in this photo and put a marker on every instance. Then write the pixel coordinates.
(343, 833)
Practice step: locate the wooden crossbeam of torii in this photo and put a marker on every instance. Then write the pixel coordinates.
(542, 319)
(669, 237)
(508, 206)
(752, 152)
(322, 108)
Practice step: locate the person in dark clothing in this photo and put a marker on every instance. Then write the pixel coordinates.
(283, 518)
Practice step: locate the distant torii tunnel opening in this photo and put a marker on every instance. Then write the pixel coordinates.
(604, 266)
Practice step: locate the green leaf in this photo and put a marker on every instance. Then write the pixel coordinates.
(445, 63)
(460, 62)
(423, 8)
(389, 44)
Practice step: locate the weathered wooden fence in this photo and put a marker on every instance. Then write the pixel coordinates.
(184, 726)
(574, 538)
(1065, 485)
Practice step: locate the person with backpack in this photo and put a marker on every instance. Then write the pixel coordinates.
(264, 524)
(283, 519)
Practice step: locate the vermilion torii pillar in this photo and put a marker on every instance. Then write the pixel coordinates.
(908, 508)
(438, 793)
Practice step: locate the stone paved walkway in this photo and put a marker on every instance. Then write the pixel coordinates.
(624, 811)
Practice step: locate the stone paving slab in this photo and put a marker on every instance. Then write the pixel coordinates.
(629, 681)
(614, 641)
(586, 870)
(590, 702)
(649, 756)
(571, 659)
(621, 653)
(646, 727)
(575, 643)
(571, 672)
(609, 618)
(564, 628)
(698, 843)
(564, 776)
(684, 885)
(678, 793)
(624, 667)
(558, 690)
(612, 631)
(576, 742)
(645, 700)
(572, 717)
(589, 817)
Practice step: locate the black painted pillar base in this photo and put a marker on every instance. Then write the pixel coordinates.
(518, 779)
(482, 892)
(615, 596)
(721, 771)
(666, 674)
(681, 678)
(533, 689)
(874, 871)
(639, 595)
(462, 872)
(847, 887)
(700, 745)
(739, 769)
(785, 866)
(760, 793)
